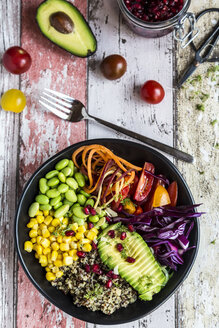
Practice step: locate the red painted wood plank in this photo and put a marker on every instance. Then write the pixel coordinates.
(42, 135)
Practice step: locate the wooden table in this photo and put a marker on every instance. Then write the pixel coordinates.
(28, 139)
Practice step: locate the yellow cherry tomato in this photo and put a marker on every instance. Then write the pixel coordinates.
(161, 197)
(13, 100)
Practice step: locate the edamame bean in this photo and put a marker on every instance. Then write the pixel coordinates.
(51, 174)
(43, 185)
(61, 211)
(90, 202)
(42, 199)
(33, 209)
(57, 205)
(62, 177)
(62, 188)
(100, 222)
(71, 165)
(71, 196)
(80, 179)
(78, 211)
(66, 202)
(53, 182)
(52, 193)
(66, 171)
(55, 201)
(61, 164)
(93, 218)
(84, 193)
(45, 207)
(72, 183)
(81, 199)
(75, 205)
(77, 220)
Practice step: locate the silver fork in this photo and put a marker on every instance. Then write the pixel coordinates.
(73, 110)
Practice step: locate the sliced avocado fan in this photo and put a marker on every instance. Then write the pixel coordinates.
(145, 275)
(62, 23)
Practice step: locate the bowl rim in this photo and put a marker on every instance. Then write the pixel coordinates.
(77, 145)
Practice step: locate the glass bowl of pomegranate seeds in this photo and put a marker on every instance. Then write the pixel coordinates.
(154, 18)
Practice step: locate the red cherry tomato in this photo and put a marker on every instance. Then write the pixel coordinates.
(16, 60)
(133, 185)
(152, 92)
(173, 193)
(145, 182)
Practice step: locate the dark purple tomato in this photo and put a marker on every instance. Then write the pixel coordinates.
(113, 67)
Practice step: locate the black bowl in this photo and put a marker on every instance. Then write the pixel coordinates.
(136, 154)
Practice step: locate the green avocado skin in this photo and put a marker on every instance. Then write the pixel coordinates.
(81, 42)
(145, 274)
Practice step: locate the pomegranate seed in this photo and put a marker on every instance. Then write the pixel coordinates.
(123, 235)
(119, 247)
(111, 233)
(81, 254)
(109, 284)
(86, 210)
(130, 259)
(120, 208)
(130, 227)
(87, 268)
(90, 225)
(95, 268)
(109, 274)
(94, 246)
(108, 219)
(93, 211)
(115, 276)
(69, 233)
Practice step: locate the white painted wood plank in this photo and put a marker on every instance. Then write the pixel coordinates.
(119, 101)
(9, 36)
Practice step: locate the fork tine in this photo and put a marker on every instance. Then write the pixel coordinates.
(62, 102)
(61, 95)
(66, 110)
(55, 111)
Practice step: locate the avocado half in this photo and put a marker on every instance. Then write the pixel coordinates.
(63, 24)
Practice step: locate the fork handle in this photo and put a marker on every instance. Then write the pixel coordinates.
(153, 143)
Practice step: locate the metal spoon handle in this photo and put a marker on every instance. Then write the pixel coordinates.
(153, 143)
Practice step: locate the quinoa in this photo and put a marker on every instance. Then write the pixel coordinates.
(88, 288)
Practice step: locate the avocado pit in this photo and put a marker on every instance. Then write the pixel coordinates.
(61, 22)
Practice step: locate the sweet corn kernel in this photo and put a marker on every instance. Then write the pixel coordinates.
(50, 276)
(43, 260)
(38, 249)
(55, 222)
(91, 235)
(39, 232)
(50, 266)
(59, 239)
(55, 269)
(81, 229)
(73, 245)
(35, 227)
(39, 213)
(67, 260)
(52, 238)
(47, 269)
(45, 233)
(55, 246)
(30, 224)
(79, 235)
(72, 252)
(66, 239)
(65, 254)
(73, 239)
(28, 246)
(40, 219)
(51, 229)
(65, 221)
(59, 274)
(36, 256)
(94, 230)
(49, 257)
(54, 255)
(59, 257)
(86, 247)
(45, 242)
(43, 226)
(86, 225)
(64, 247)
(39, 238)
(33, 240)
(48, 220)
(75, 257)
(46, 250)
(58, 263)
(33, 233)
(74, 227)
(46, 213)
(85, 241)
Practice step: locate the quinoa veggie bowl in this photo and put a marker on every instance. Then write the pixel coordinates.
(110, 297)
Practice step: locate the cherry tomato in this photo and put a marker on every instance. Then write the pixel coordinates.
(149, 203)
(133, 185)
(13, 100)
(16, 60)
(173, 193)
(145, 182)
(152, 92)
(161, 197)
(139, 210)
(113, 67)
